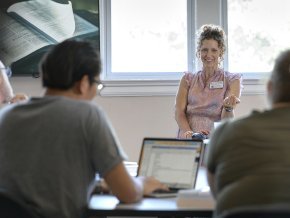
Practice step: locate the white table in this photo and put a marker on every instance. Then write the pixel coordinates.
(108, 205)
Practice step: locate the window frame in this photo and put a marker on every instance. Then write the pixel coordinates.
(152, 85)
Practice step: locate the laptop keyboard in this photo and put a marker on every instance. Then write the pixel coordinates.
(171, 190)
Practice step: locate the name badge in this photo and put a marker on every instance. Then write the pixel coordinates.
(216, 85)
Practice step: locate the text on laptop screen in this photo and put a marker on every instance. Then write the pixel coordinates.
(173, 162)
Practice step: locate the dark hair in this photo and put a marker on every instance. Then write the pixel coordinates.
(281, 78)
(210, 31)
(67, 62)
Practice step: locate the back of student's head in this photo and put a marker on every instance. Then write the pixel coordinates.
(67, 62)
(281, 78)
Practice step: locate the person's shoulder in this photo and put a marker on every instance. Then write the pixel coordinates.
(258, 114)
(231, 77)
(245, 119)
(242, 124)
(90, 106)
(189, 76)
(232, 74)
(234, 125)
(84, 107)
(258, 123)
(192, 74)
(268, 114)
(186, 79)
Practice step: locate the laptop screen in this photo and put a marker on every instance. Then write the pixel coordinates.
(174, 162)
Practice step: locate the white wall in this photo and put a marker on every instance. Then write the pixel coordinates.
(138, 117)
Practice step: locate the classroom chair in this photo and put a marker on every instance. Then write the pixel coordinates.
(11, 207)
(264, 211)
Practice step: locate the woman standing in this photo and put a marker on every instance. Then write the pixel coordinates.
(210, 94)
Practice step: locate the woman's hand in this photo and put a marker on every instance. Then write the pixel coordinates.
(205, 132)
(151, 184)
(230, 103)
(188, 134)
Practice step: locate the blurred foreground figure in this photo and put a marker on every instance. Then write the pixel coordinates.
(249, 159)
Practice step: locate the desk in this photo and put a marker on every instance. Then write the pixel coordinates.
(108, 205)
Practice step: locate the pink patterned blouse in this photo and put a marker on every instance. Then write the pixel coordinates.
(205, 102)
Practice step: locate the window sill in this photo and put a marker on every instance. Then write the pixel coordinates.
(165, 88)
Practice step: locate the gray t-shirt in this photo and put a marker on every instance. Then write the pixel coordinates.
(250, 158)
(50, 151)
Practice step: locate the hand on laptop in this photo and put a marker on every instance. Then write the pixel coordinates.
(151, 184)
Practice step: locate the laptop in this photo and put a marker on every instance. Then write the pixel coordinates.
(174, 162)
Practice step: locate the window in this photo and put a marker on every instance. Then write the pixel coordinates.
(145, 45)
(147, 39)
(257, 31)
(148, 36)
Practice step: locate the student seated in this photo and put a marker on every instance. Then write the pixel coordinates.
(248, 160)
(6, 91)
(52, 146)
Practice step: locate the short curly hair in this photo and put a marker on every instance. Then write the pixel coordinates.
(211, 31)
